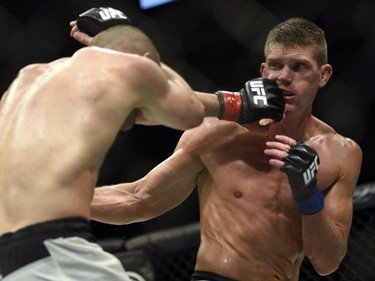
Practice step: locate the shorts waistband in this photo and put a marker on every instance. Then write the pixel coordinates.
(199, 275)
(65, 227)
(26, 245)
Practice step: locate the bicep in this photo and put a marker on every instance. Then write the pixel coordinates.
(170, 100)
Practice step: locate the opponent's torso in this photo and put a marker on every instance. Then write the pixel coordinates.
(250, 225)
(56, 127)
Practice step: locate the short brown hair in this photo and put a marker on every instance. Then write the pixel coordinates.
(299, 32)
(128, 39)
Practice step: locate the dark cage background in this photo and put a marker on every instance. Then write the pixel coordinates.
(213, 44)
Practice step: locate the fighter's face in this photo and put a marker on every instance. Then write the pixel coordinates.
(296, 72)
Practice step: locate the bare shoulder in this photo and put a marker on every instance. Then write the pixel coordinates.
(337, 150)
(326, 136)
(211, 127)
(211, 132)
(112, 58)
(136, 71)
(340, 159)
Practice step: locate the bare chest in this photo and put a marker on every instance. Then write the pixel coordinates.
(244, 175)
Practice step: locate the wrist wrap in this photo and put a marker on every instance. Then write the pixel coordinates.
(230, 105)
(313, 204)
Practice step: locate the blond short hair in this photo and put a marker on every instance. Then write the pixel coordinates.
(299, 32)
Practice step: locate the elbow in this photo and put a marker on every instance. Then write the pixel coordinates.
(196, 122)
(188, 116)
(326, 269)
(328, 263)
(197, 119)
(196, 116)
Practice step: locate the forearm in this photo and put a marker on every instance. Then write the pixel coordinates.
(210, 103)
(324, 241)
(118, 205)
(325, 220)
(160, 190)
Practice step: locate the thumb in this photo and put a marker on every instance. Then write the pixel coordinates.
(82, 38)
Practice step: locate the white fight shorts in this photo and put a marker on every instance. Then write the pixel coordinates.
(59, 250)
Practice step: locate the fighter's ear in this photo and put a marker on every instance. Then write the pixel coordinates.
(326, 72)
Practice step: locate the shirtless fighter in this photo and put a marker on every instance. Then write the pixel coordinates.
(269, 195)
(57, 122)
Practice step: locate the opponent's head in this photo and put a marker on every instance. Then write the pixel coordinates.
(126, 38)
(299, 32)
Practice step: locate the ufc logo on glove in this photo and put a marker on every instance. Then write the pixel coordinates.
(95, 20)
(257, 88)
(109, 13)
(311, 171)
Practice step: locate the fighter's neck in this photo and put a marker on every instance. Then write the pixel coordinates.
(298, 129)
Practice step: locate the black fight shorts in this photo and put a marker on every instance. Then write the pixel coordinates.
(63, 249)
(208, 276)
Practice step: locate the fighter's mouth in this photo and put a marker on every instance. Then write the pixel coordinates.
(287, 94)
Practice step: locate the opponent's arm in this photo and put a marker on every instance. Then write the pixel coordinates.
(168, 99)
(326, 221)
(259, 99)
(163, 188)
(78, 35)
(95, 20)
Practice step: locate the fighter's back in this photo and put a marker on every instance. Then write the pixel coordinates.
(57, 121)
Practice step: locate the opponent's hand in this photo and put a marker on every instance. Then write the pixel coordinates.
(301, 164)
(95, 20)
(259, 99)
(81, 37)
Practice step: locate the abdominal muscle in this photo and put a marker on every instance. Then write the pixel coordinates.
(246, 238)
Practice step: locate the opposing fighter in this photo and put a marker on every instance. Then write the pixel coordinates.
(269, 195)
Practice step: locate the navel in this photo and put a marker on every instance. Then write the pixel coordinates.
(238, 194)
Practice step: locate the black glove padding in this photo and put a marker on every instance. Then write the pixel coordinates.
(95, 20)
(260, 98)
(301, 166)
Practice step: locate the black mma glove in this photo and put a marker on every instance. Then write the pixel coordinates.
(95, 20)
(260, 98)
(301, 166)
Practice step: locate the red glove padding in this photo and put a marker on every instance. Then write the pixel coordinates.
(260, 98)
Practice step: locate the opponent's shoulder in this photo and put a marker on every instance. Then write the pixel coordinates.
(89, 56)
(35, 68)
(92, 51)
(93, 54)
(133, 69)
